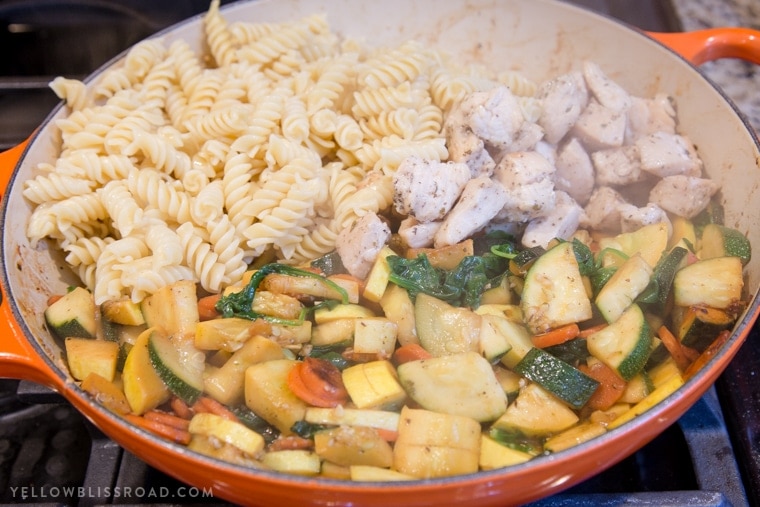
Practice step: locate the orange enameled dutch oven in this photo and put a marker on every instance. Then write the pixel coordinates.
(541, 38)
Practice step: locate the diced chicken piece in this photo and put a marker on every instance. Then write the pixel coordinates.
(561, 222)
(527, 138)
(600, 128)
(546, 150)
(647, 116)
(529, 181)
(618, 166)
(633, 218)
(495, 116)
(467, 148)
(664, 154)
(427, 189)
(359, 244)
(602, 212)
(682, 195)
(610, 94)
(415, 234)
(481, 200)
(564, 98)
(575, 172)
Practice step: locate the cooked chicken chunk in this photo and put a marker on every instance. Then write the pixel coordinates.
(427, 189)
(647, 116)
(467, 148)
(415, 234)
(529, 181)
(600, 127)
(633, 218)
(575, 171)
(610, 94)
(561, 222)
(563, 100)
(664, 154)
(617, 166)
(602, 212)
(481, 200)
(359, 244)
(683, 195)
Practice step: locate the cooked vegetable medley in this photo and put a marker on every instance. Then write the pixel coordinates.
(512, 299)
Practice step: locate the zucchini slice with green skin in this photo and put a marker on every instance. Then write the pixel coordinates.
(554, 293)
(625, 344)
(721, 241)
(73, 315)
(175, 367)
(556, 376)
(623, 287)
(715, 283)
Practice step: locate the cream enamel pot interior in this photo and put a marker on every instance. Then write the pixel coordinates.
(541, 38)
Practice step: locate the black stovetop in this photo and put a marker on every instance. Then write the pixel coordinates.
(710, 457)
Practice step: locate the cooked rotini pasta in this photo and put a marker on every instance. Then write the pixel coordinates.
(184, 164)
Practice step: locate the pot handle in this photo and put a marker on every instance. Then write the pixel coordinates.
(700, 46)
(18, 359)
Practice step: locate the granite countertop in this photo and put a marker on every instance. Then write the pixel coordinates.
(740, 80)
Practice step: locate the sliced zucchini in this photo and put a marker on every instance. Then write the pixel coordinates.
(649, 241)
(122, 311)
(222, 334)
(73, 315)
(556, 376)
(625, 344)
(227, 431)
(721, 241)
(85, 356)
(174, 308)
(554, 293)
(715, 283)
(444, 329)
(492, 344)
(623, 287)
(460, 384)
(537, 412)
(143, 387)
(178, 364)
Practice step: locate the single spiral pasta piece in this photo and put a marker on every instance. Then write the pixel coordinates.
(187, 66)
(72, 91)
(208, 204)
(162, 154)
(143, 57)
(220, 40)
(370, 102)
(223, 235)
(97, 168)
(60, 219)
(348, 133)
(295, 120)
(122, 207)
(54, 187)
(85, 251)
(150, 187)
(223, 123)
(201, 258)
(394, 67)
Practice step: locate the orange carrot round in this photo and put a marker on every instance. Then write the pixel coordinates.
(313, 388)
(410, 352)
(611, 385)
(556, 336)
(207, 307)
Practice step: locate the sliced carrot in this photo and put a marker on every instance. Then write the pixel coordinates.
(214, 407)
(556, 336)
(314, 392)
(163, 430)
(387, 435)
(611, 385)
(710, 352)
(349, 354)
(180, 408)
(683, 356)
(410, 352)
(52, 299)
(324, 378)
(207, 307)
(290, 443)
(585, 333)
(168, 419)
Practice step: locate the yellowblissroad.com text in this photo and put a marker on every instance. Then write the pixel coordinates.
(26, 493)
